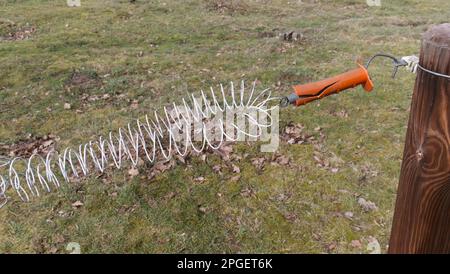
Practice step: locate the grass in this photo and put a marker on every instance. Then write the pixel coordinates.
(151, 52)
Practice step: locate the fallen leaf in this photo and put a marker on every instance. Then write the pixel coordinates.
(282, 197)
(316, 236)
(331, 247)
(348, 214)
(368, 172)
(293, 133)
(170, 195)
(342, 113)
(134, 104)
(282, 160)
(217, 168)
(291, 36)
(59, 239)
(258, 163)
(247, 192)
(225, 150)
(356, 244)
(133, 172)
(236, 169)
(235, 178)
(290, 216)
(235, 157)
(140, 162)
(47, 143)
(203, 209)
(199, 179)
(203, 157)
(180, 159)
(30, 145)
(367, 205)
(373, 246)
(77, 204)
(53, 250)
(163, 166)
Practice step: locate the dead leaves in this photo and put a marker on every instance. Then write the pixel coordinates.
(356, 244)
(217, 169)
(291, 39)
(373, 246)
(290, 216)
(283, 197)
(199, 180)
(126, 209)
(83, 80)
(292, 36)
(235, 168)
(87, 99)
(203, 209)
(41, 245)
(258, 163)
(59, 239)
(341, 113)
(159, 168)
(248, 192)
(234, 179)
(134, 104)
(150, 171)
(77, 204)
(367, 171)
(367, 205)
(227, 6)
(323, 162)
(133, 172)
(170, 195)
(31, 145)
(279, 159)
(331, 247)
(294, 134)
(15, 33)
(225, 151)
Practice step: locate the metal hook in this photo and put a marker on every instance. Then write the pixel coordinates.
(397, 62)
(284, 102)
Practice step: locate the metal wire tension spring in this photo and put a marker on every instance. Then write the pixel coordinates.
(156, 137)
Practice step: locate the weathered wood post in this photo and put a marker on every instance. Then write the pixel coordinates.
(422, 213)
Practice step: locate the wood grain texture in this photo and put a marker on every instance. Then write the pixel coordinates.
(421, 221)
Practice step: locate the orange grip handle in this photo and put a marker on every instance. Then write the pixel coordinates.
(317, 90)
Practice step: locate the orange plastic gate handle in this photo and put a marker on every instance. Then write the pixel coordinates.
(317, 90)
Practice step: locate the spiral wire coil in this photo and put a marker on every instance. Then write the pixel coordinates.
(153, 138)
(412, 63)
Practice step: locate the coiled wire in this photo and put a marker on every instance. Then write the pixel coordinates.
(154, 138)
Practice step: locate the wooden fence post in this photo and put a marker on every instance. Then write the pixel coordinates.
(422, 212)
